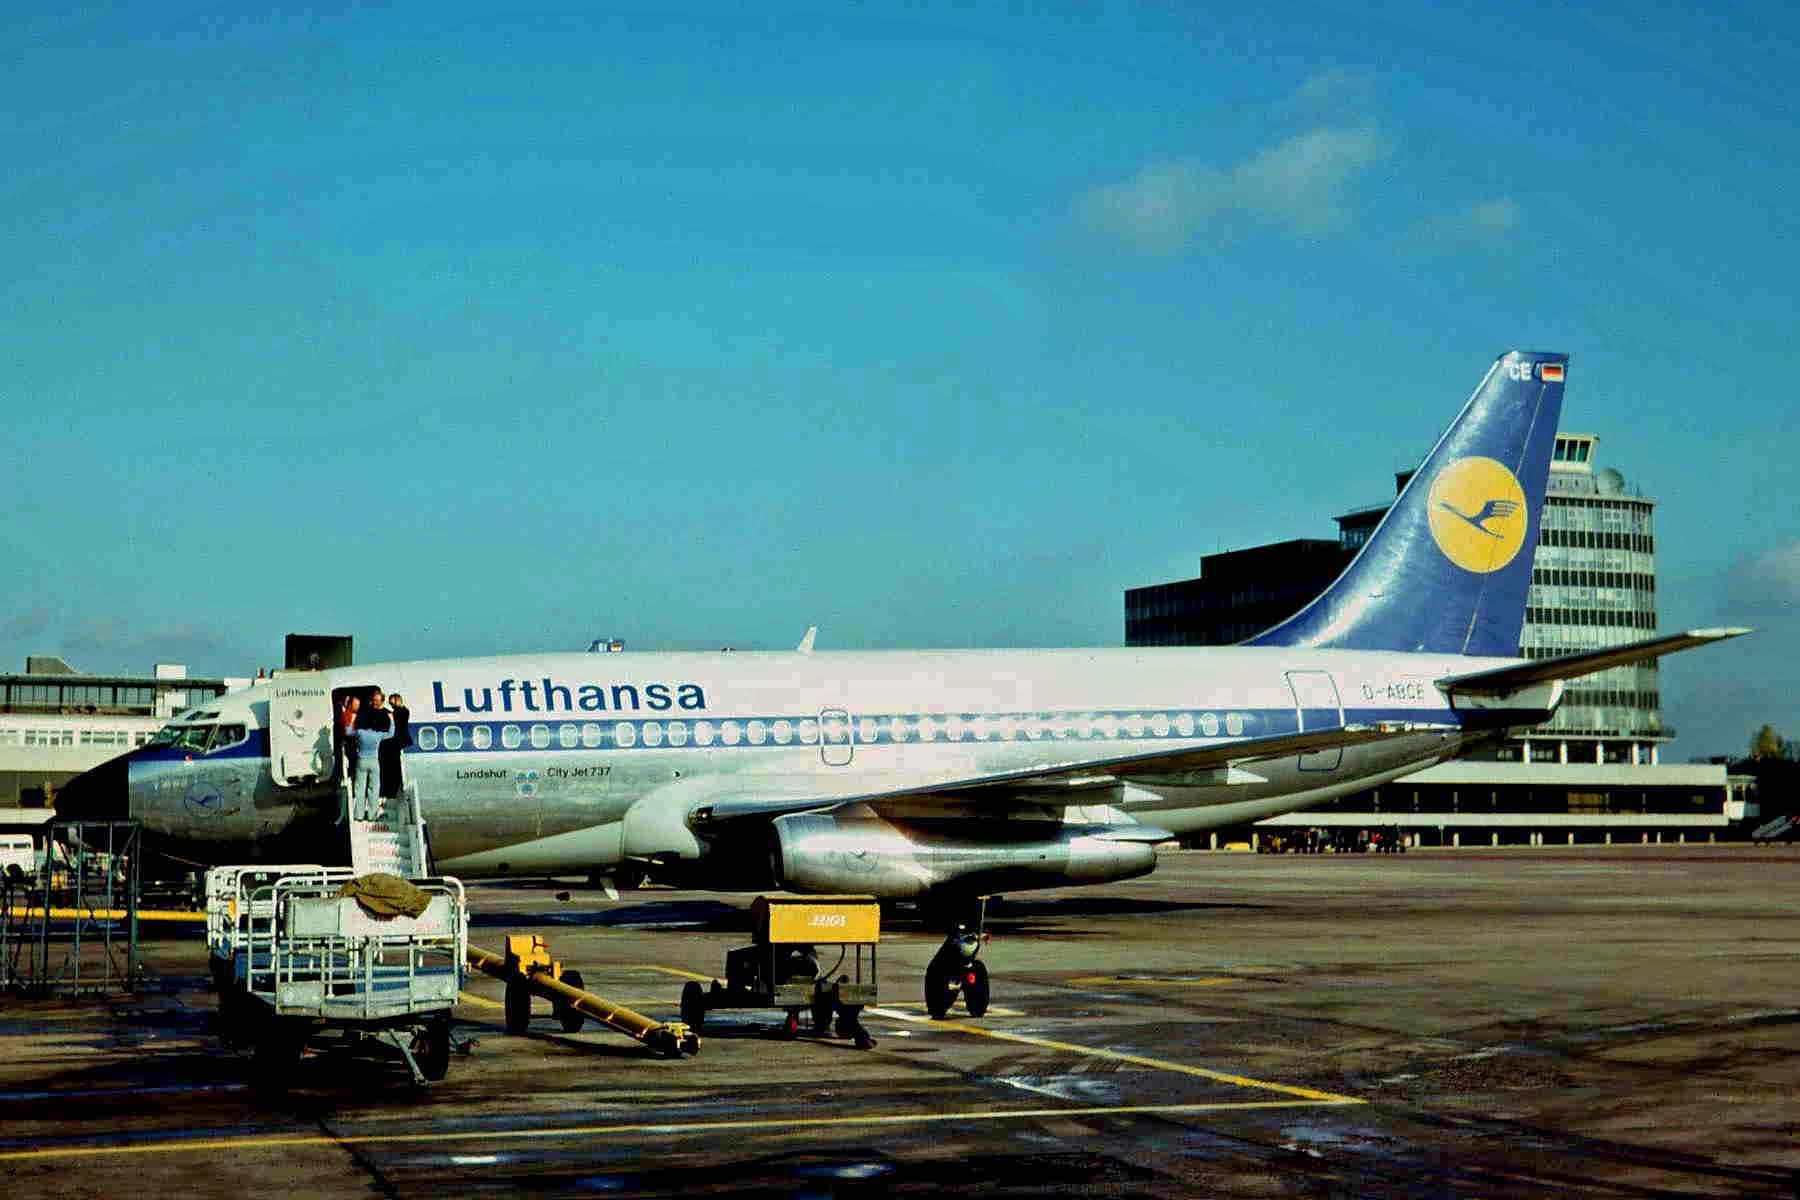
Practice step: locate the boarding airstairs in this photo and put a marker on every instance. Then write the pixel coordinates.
(394, 842)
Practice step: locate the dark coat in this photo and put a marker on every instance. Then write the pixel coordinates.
(389, 755)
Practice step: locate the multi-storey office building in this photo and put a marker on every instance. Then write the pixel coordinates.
(56, 722)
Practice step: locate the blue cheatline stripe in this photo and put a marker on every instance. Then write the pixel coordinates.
(775, 732)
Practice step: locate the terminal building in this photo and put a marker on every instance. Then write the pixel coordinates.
(56, 722)
(1594, 772)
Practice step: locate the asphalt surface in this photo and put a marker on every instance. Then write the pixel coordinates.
(1617, 1021)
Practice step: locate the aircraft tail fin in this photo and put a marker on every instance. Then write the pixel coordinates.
(1449, 567)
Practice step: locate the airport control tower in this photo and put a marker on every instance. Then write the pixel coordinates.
(1593, 585)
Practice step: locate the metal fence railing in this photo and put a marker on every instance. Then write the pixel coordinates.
(69, 926)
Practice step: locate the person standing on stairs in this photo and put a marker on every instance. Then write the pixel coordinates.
(374, 726)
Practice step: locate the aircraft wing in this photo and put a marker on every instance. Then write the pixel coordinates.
(1197, 765)
(1503, 680)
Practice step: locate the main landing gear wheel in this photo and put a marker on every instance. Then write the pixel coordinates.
(570, 1016)
(955, 968)
(518, 1006)
(693, 1005)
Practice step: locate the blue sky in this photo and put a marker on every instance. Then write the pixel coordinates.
(466, 332)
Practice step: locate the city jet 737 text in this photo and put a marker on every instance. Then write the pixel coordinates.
(932, 775)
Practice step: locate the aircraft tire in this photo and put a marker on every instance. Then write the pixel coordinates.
(518, 1006)
(568, 1015)
(976, 995)
(693, 1005)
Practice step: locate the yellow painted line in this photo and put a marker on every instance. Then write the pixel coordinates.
(92, 1014)
(675, 971)
(672, 1128)
(478, 1001)
(1310, 1094)
(109, 914)
(1128, 980)
(993, 1010)
(1139, 1060)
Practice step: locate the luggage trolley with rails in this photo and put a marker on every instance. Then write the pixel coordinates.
(296, 963)
(781, 967)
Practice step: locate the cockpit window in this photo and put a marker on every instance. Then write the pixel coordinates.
(225, 735)
(184, 737)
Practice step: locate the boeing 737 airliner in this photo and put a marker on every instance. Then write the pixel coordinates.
(937, 774)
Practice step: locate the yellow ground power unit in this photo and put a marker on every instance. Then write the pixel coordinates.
(789, 965)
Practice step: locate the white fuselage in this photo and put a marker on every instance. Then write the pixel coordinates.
(571, 762)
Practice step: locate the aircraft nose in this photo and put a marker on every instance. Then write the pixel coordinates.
(100, 794)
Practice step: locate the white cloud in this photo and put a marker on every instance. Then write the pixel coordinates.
(1779, 569)
(1335, 96)
(1496, 216)
(1158, 209)
(1489, 224)
(1299, 183)
(1302, 180)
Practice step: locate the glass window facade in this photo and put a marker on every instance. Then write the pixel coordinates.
(1593, 585)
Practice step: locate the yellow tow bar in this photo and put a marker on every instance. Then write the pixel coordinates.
(528, 966)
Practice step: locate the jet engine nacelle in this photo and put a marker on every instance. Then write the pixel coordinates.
(823, 852)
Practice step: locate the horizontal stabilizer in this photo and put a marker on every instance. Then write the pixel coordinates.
(1503, 680)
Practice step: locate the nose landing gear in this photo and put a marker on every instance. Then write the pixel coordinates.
(956, 969)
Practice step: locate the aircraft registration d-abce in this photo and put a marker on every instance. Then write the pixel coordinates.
(932, 775)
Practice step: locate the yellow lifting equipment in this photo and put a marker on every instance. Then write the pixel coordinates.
(528, 970)
(781, 968)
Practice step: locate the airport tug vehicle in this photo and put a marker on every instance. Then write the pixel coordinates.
(308, 955)
(780, 968)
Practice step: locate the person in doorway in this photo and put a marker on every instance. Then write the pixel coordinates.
(373, 727)
(390, 749)
(344, 743)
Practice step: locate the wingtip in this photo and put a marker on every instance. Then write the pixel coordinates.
(1720, 633)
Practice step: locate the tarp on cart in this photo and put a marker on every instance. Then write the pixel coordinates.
(383, 895)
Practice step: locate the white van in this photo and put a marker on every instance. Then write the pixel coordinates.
(16, 850)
